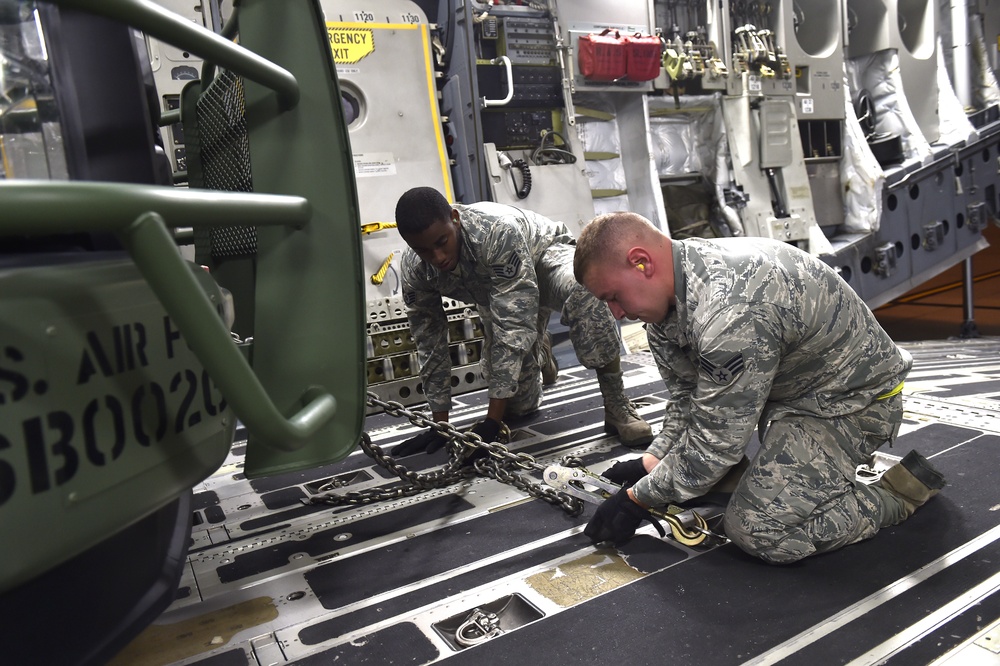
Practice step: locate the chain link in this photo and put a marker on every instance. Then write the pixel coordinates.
(498, 463)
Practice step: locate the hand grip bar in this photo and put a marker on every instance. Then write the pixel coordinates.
(134, 212)
(174, 29)
(505, 61)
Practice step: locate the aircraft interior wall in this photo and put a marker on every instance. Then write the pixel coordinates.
(837, 126)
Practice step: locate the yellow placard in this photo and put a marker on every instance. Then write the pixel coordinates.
(350, 45)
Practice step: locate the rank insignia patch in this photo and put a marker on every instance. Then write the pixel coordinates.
(726, 372)
(409, 298)
(509, 269)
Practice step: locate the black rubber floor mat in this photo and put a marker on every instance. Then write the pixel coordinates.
(341, 582)
(228, 658)
(686, 614)
(950, 635)
(342, 624)
(400, 643)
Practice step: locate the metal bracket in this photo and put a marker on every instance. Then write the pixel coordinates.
(933, 236)
(885, 260)
(975, 218)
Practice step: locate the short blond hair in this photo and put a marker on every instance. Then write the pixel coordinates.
(603, 237)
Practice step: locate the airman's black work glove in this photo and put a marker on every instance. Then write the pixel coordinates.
(487, 429)
(617, 519)
(625, 472)
(430, 441)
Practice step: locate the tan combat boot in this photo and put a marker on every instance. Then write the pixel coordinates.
(547, 360)
(620, 416)
(911, 482)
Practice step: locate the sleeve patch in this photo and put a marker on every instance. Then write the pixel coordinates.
(409, 297)
(723, 373)
(508, 269)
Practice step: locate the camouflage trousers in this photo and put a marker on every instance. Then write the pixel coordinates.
(593, 330)
(799, 495)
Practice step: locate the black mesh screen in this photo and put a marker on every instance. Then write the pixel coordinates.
(225, 156)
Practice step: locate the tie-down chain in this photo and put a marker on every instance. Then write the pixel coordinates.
(562, 485)
(468, 454)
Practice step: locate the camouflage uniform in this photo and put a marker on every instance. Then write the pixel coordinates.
(763, 333)
(516, 267)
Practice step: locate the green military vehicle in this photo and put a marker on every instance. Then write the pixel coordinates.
(124, 366)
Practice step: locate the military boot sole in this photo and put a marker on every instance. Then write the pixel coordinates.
(913, 481)
(923, 471)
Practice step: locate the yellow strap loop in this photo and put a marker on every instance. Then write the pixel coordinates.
(886, 396)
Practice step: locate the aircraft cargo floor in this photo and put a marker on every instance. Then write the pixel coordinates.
(272, 580)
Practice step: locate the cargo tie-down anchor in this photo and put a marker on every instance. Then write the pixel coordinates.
(479, 626)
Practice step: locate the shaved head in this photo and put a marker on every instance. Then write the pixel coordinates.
(607, 239)
(625, 261)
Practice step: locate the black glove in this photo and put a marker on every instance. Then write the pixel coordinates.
(625, 472)
(430, 440)
(617, 519)
(487, 429)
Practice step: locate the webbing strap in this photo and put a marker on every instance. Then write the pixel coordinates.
(886, 396)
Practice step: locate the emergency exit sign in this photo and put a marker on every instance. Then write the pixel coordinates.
(349, 45)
